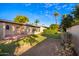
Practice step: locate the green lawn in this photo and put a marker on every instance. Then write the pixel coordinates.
(9, 48)
(51, 34)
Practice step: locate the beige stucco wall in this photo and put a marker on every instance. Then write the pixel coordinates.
(40, 30)
(75, 36)
(10, 31)
(74, 30)
(1, 30)
(15, 29)
(37, 31)
(29, 30)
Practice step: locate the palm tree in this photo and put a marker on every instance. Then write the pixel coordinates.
(56, 14)
(36, 22)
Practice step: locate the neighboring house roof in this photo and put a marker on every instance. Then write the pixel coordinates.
(18, 23)
(45, 27)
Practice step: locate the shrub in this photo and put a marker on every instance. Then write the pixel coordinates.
(51, 33)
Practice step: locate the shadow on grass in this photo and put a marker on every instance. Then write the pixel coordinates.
(52, 35)
(9, 48)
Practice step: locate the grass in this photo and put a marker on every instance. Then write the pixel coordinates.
(39, 39)
(9, 48)
(52, 35)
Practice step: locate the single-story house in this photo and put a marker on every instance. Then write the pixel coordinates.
(14, 30)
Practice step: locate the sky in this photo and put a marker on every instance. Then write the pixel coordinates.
(41, 11)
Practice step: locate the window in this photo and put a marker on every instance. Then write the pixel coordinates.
(7, 27)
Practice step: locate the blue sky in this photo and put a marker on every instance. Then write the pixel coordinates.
(42, 11)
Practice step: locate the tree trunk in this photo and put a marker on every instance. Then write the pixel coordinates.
(56, 19)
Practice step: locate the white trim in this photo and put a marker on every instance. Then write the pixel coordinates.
(3, 30)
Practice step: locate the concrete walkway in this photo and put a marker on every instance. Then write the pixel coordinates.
(48, 47)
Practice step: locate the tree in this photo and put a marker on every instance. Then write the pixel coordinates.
(67, 21)
(54, 26)
(56, 14)
(36, 22)
(21, 19)
(75, 12)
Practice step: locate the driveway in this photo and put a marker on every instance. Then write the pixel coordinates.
(49, 47)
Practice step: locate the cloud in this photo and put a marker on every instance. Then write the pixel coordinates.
(47, 12)
(41, 12)
(28, 4)
(57, 7)
(70, 8)
(65, 5)
(47, 5)
(48, 15)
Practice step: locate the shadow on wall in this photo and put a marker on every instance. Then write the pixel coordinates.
(68, 43)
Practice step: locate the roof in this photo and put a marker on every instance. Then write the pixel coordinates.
(10, 22)
(45, 27)
(32, 25)
(18, 23)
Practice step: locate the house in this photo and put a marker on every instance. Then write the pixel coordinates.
(12, 30)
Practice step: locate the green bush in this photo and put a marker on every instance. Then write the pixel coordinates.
(51, 33)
